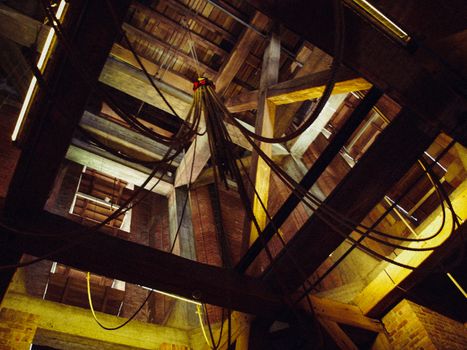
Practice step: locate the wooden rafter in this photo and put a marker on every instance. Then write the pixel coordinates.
(102, 254)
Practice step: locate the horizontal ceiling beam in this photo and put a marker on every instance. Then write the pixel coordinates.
(134, 263)
(300, 89)
(93, 157)
(80, 326)
(126, 138)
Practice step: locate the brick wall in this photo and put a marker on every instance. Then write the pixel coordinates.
(411, 326)
(149, 226)
(17, 329)
(9, 154)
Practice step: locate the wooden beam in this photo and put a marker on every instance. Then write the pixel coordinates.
(343, 313)
(240, 52)
(380, 60)
(95, 158)
(177, 81)
(125, 138)
(341, 339)
(401, 143)
(81, 328)
(390, 284)
(303, 141)
(60, 109)
(311, 87)
(102, 254)
(22, 29)
(259, 171)
(299, 89)
(133, 82)
(311, 176)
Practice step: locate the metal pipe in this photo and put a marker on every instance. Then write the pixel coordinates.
(256, 30)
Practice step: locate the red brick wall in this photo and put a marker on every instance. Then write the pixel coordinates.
(17, 329)
(411, 326)
(149, 226)
(206, 243)
(9, 154)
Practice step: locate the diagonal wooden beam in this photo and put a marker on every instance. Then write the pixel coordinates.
(401, 143)
(240, 52)
(61, 108)
(311, 177)
(341, 339)
(102, 254)
(343, 313)
(393, 282)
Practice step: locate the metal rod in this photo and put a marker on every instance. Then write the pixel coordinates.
(256, 30)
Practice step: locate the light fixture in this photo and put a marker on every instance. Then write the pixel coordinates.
(367, 10)
(171, 295)
(40, 66)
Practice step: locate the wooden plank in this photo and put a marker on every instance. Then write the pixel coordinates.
(344, 313)
(311, 86)
(62, 108)
(133, 82)
(401, 143)
(102, 254)
(341, 339)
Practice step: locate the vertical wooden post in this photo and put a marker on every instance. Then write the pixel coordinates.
(259, 170)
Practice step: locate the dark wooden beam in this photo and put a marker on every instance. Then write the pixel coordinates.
(127, 261)
(384, 62)
(57, 109)
(311, 176)
(381, 167)
(142, 110)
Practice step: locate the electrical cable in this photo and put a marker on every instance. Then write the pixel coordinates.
(170, 251)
